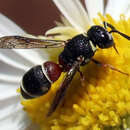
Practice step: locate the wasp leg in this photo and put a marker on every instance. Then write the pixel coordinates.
(108, 66)
(114, 46)
(82, 78)
(81, 75)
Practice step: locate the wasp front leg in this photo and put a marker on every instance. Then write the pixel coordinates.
(109, 66)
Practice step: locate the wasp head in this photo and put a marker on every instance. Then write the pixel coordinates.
(100, 37)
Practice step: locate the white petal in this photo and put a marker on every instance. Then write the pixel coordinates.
(7, 27)
(64, 30)
(127, 12)
(9, 90)
(12, 116)
(23, 59)
(9, 78)
(74, 12)
(34, 56)
(12, 67)
(117, 7)
(11, 58)
(10, 70)
(94, 7)
(65, 21)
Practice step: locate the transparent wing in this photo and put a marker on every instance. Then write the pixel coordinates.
(63, 88)
(19, 42)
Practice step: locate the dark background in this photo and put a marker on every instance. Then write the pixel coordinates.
(34, 16)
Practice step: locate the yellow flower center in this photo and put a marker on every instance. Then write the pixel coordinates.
(103, 100)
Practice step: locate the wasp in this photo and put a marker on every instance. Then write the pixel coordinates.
(77, 52)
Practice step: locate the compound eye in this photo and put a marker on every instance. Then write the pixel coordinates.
(108, 40)
(104, 39)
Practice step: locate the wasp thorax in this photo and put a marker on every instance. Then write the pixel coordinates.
(78, 46)
(37, 81)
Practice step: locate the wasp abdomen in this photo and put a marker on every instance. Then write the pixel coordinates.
(37, 81)
(53, 70)
(34, 82)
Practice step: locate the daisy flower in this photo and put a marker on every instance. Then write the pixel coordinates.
(102, 101)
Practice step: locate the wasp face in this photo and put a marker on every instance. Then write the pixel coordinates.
(100, 37)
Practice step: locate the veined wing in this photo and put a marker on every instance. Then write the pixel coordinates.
(19, 42)
(63, 88)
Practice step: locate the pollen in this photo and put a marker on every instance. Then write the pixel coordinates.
(101, 101)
